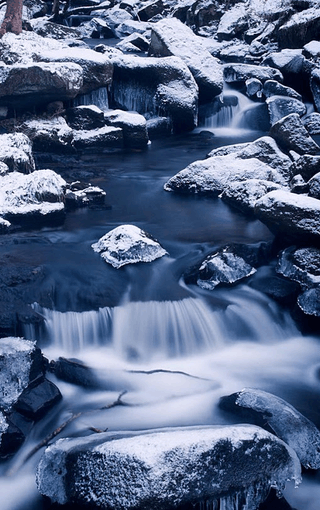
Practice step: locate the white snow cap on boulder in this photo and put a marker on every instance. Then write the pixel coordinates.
(128, 244)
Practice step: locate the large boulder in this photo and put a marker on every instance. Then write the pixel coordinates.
(158, 86)
(107, 137)
(39, 83)
(286, 422)
(307, 166)
(312, 123)
(213, 175)
(171, 37)
(293, 66)
(36, 197)
(128, 244)
(16, 153)
(315, 87)
(301, 28)
(233, 23)
(166, 468)
(85, 117)
(265, 149)
(290, 134)
(295, 217)
(274, 88)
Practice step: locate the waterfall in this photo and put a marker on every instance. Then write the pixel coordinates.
(133, 97)
(234, 110)
(136, 330)
(98, 97)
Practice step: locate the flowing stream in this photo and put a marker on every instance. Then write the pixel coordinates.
(174, 349)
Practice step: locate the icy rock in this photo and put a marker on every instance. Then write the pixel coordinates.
(244, 194)
(295, 217)
(158, 127)
(150, 9)
(312, 123)
(309, 302)
(159, 86)
(300, 265)
(240, 73)
(253, 87)
(234, 51)
(81, 195)
(4, 225)
(24, 48)
(171, 37)
(314, 186)
(293, 66)
(16, 153)
(168, 467)
(290, 134)
(306, 166)
(130, 26)
(286, 422)
(39, 83)
(128, 244)
(213, 175)
(37, 194)
(133, 125)
(225, 266)
(35, 401)
(301, 28)
(274, 88)
(106, 137)
(233, 23)
(280, 289)
(48, 134)
(3, 425)
(265, 149)
(281, 106)
(16, 358)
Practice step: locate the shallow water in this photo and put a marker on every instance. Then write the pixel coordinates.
(174, 349)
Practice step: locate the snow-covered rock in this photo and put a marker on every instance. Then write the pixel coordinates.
(85, 117)
(81, 195)
(281, 106)
(240, 73)
(159, 127)
(314, 186)
(301, 28)
(233, 23)
(168, 467)
(16, 358)
(159, 86)
(290, 215)
(107, 137)
(39, 83)
(312, 123)
(133, 125)
(312, 50)
(265, 149)
(307, 166)
(128, 244)
(48, 134)
(291, 135)
(244, 194)
(224, 166)
(45, 28)
(300, 265)
(38, 194)
(171, 37)
(16, 153)
(309, 302)
(287, 423)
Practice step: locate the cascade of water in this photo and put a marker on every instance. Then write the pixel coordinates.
(98, 97)
(232, 110)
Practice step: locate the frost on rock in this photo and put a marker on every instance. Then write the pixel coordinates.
(301, 265)
(244, 194)
(224, 266)
(48, 133)
(287, 423)
(15, 364)
(128, 244)
(213, 175)
(166, 468)
(39, 192)
(292, 215)
(16, 152)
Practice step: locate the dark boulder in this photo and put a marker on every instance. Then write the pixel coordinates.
(85, 117)
(301, 28)
(307, 166)
(75, 372)
(300, 265)
(281, 106)
(36, 400)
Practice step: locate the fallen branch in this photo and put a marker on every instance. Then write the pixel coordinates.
(73, 417)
